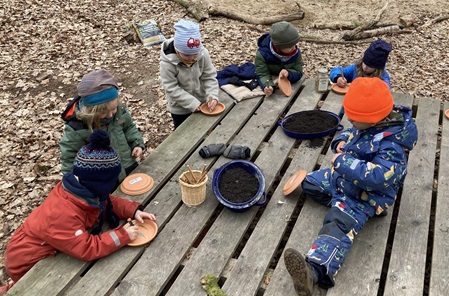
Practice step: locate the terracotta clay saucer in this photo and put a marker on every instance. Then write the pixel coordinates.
(294, 181)
(147, 231)
(340, 90)
(137, 184)
(285, 86)
(217, 110)
(446, 112)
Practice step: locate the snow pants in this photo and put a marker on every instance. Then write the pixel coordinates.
(342, 222)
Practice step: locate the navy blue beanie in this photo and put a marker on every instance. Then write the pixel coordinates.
(376, 55)
(97, 165)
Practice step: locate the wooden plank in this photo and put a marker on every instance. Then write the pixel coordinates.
(366, 258)
(160, 164)
(223, 237)
(166, 158)
(308, 225)
(165, 203)
(407, 264)
(439, 285)
(171, 245)
(248, 272)
(46, 273)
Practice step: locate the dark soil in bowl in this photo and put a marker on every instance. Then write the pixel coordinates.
(238, 185)
(308, 122)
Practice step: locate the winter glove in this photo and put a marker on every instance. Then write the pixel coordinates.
(237, 152)
(252, 85)
(212, 150)
(236, 81)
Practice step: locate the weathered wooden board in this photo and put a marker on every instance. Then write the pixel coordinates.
(160, 164)
(439, 283)
(308, 223)
(226, 232)
(367, 254)
(164, 205)
(168, 250)
(408, 258)
(248, 272)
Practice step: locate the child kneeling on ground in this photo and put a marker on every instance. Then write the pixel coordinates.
(367, 171)
(70, 219)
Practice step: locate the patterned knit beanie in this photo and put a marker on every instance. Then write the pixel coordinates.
(187, 37)
(97, 87)
(97, 165)
(284, 35)
(376, 55)
(368, 100)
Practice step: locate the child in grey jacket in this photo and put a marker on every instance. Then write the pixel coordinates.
(187, 73)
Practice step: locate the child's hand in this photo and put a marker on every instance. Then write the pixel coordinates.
(268, 90)
(335, 157)
(341, 82)
(139, 216)
(132, 231)
(283, 73)
(212, 104)
(138, 153)
(340, 146)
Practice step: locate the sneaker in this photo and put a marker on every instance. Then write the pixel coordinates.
(301, 272)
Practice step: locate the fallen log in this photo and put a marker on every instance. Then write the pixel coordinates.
(201, 12)
(255, 20)
(356, 31)
(321, 41)
(380, 31)
(435, 20)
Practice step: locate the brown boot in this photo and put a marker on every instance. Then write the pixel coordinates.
(301, 272)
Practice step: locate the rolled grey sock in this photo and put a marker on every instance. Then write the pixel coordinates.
(237, 152)
(212, 150)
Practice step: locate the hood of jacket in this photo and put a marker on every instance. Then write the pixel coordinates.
(399, 127)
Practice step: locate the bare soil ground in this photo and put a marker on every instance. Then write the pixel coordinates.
(46, 47)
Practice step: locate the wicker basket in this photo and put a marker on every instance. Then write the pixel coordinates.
(193, 194)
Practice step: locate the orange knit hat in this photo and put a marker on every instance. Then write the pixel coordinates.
(368, 100)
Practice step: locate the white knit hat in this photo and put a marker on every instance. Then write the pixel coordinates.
(187, 37)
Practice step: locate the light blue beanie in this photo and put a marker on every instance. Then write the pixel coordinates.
(187, 37)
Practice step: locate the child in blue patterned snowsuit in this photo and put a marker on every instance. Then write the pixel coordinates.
(368, 169)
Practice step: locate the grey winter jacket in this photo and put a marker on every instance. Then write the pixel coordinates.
(187, 88)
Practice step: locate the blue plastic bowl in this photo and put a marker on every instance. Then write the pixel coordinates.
(337, 127)
(259, 199)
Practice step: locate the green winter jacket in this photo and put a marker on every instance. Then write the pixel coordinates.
(122, 131)
(268, 65)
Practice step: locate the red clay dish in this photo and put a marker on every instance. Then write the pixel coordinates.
(294, 181)
(340, 90)
(137, 184)
(217, 110)
(147, 231)
(285, 86)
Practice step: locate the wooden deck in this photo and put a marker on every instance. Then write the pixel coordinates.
(405, 253)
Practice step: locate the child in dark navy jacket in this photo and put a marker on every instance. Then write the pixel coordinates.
(278, 55)
(367, 171)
